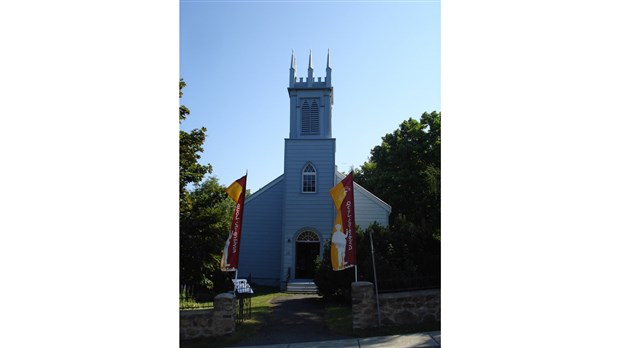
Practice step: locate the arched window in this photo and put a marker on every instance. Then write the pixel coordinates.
(308, 237)
(310, 117)
(308, 179)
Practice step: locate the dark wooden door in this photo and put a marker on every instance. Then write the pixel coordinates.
(305, 254)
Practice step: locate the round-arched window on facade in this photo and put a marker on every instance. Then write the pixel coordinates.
(308, 236)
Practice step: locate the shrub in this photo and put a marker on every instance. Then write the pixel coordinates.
(404, 259)
(332, 285)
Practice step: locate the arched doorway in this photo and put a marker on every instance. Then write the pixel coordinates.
(307, 248)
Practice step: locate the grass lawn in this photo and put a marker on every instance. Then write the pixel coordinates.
(260, 307)
(339, 321)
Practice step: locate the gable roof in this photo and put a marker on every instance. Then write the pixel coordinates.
(366, 193)
(265, 188)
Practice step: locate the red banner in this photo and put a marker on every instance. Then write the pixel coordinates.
(230, 255)
(343, 248)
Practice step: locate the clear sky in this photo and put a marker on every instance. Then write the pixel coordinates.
(235, 59)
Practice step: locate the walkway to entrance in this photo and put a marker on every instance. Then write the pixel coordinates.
(295, 318)
(301, 286)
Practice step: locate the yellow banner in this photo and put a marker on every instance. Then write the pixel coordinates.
(343, 249)
(234, 191)
(338, 194)
(230, 254)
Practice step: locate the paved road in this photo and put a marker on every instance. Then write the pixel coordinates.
(295, 318)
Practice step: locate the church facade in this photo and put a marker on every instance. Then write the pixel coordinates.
(288, 221)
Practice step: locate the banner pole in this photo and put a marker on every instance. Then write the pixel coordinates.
(246, 177)
(356, 273)
(374, 270)
(236, 274)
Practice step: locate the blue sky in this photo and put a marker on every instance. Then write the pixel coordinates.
(235, 59)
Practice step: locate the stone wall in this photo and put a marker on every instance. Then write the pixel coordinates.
(364, 311)
(411, 307)
(210, 322)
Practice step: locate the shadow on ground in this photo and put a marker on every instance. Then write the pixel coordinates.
(295, 318)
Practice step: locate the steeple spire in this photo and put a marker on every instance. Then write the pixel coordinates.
(328, 72)
(328, 66)
(310, 70)
(293, 70)
(293, 62)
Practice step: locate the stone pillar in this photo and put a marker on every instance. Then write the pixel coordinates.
(225, 307)
(364, 305)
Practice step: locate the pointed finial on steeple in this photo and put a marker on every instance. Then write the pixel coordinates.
(328, 67)
(293, 71)
(328, 70)
(310, 70)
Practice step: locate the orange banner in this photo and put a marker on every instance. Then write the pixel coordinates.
(343, 247)
(230, 254)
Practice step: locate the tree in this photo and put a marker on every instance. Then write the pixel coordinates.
(203, 212)
(190, 148)
(204, 230)
(405, 172)
(404, 259)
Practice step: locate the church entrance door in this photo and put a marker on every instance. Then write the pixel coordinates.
(307, 248)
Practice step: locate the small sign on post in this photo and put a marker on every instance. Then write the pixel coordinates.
(244, 292)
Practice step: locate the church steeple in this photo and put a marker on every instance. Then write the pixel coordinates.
(311, 102)
(309, 171)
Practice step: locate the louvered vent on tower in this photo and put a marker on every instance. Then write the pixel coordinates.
(310, 117)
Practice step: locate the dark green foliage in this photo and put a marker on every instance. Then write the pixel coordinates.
(405, 172)
(204, 215)
(204, 228)
(332, 285)
(404, 259)
(190, 148)
(183, 110)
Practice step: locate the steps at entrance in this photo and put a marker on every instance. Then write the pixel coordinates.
(301, 287)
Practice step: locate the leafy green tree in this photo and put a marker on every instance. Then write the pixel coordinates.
(203, 233)
(190, 148)
(405, 172)
(404, 259)
(203, 211)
